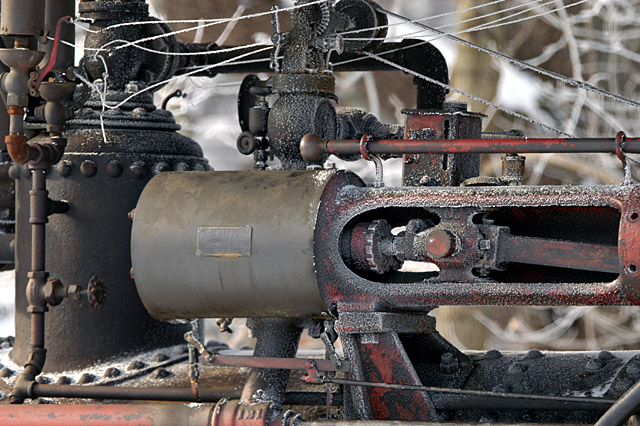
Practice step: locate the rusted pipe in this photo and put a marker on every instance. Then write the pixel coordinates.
(21, 152)
(37, 280)
(106, 415)
(16, 141)
(153, 415)
(18, 149)
(313, 148)
(164, 394)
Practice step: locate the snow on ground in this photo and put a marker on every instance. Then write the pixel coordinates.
(7, 300)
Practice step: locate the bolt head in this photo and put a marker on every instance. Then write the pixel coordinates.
(605, 356)
(14, 172)
(63, 380)
(136, 365)
(182, 167)
(114, 168)
(64, 168)
(86, 378)
(112, 372)
(534, 354)
(484, 244)
(493, 354)
(73, 292)
(139, 169)
(88, 168)
(50, 292)
(160, 167)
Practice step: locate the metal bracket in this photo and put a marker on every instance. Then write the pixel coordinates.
(311, 366)
(384, 322)
(364, 151)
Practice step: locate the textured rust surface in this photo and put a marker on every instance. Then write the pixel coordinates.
(344, 289)
(17, 148)
(105, 415)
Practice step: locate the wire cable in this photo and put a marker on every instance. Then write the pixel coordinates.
(415, 33)
(475, 98)
(428, 18)
(567, 80)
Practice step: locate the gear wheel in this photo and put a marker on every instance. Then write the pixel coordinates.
(366, 247)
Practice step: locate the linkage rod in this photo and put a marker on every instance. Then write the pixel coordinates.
(313, 148)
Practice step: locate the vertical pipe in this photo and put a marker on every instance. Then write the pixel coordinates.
(38, 219)
(279, 338)
(37, 279)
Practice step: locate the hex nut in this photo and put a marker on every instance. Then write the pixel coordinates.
(74, 292)
(51, 292)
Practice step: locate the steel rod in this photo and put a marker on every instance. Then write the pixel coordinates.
(314, 147)
(623, 408)
(463, 398)
(443, 398)
(561, 254)
(165, 394)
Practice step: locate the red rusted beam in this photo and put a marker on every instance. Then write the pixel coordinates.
(561, 254)
(313, 148)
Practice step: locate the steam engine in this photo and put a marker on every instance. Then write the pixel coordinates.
(124, 237)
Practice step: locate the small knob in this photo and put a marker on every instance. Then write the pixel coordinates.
(311, 148)
(439, 243)
(246, 143)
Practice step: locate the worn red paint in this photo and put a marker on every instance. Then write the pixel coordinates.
(386, 362)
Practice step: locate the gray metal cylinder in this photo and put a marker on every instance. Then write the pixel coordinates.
(228, 244)
(22, 17)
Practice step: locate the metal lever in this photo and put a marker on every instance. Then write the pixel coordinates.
(311, 366)
(364, 151)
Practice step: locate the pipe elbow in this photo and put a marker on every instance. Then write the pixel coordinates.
(18, 149)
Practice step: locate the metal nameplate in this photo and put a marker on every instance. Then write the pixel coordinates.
(224, 241)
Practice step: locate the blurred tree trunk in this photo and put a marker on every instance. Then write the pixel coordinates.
(473, 73)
